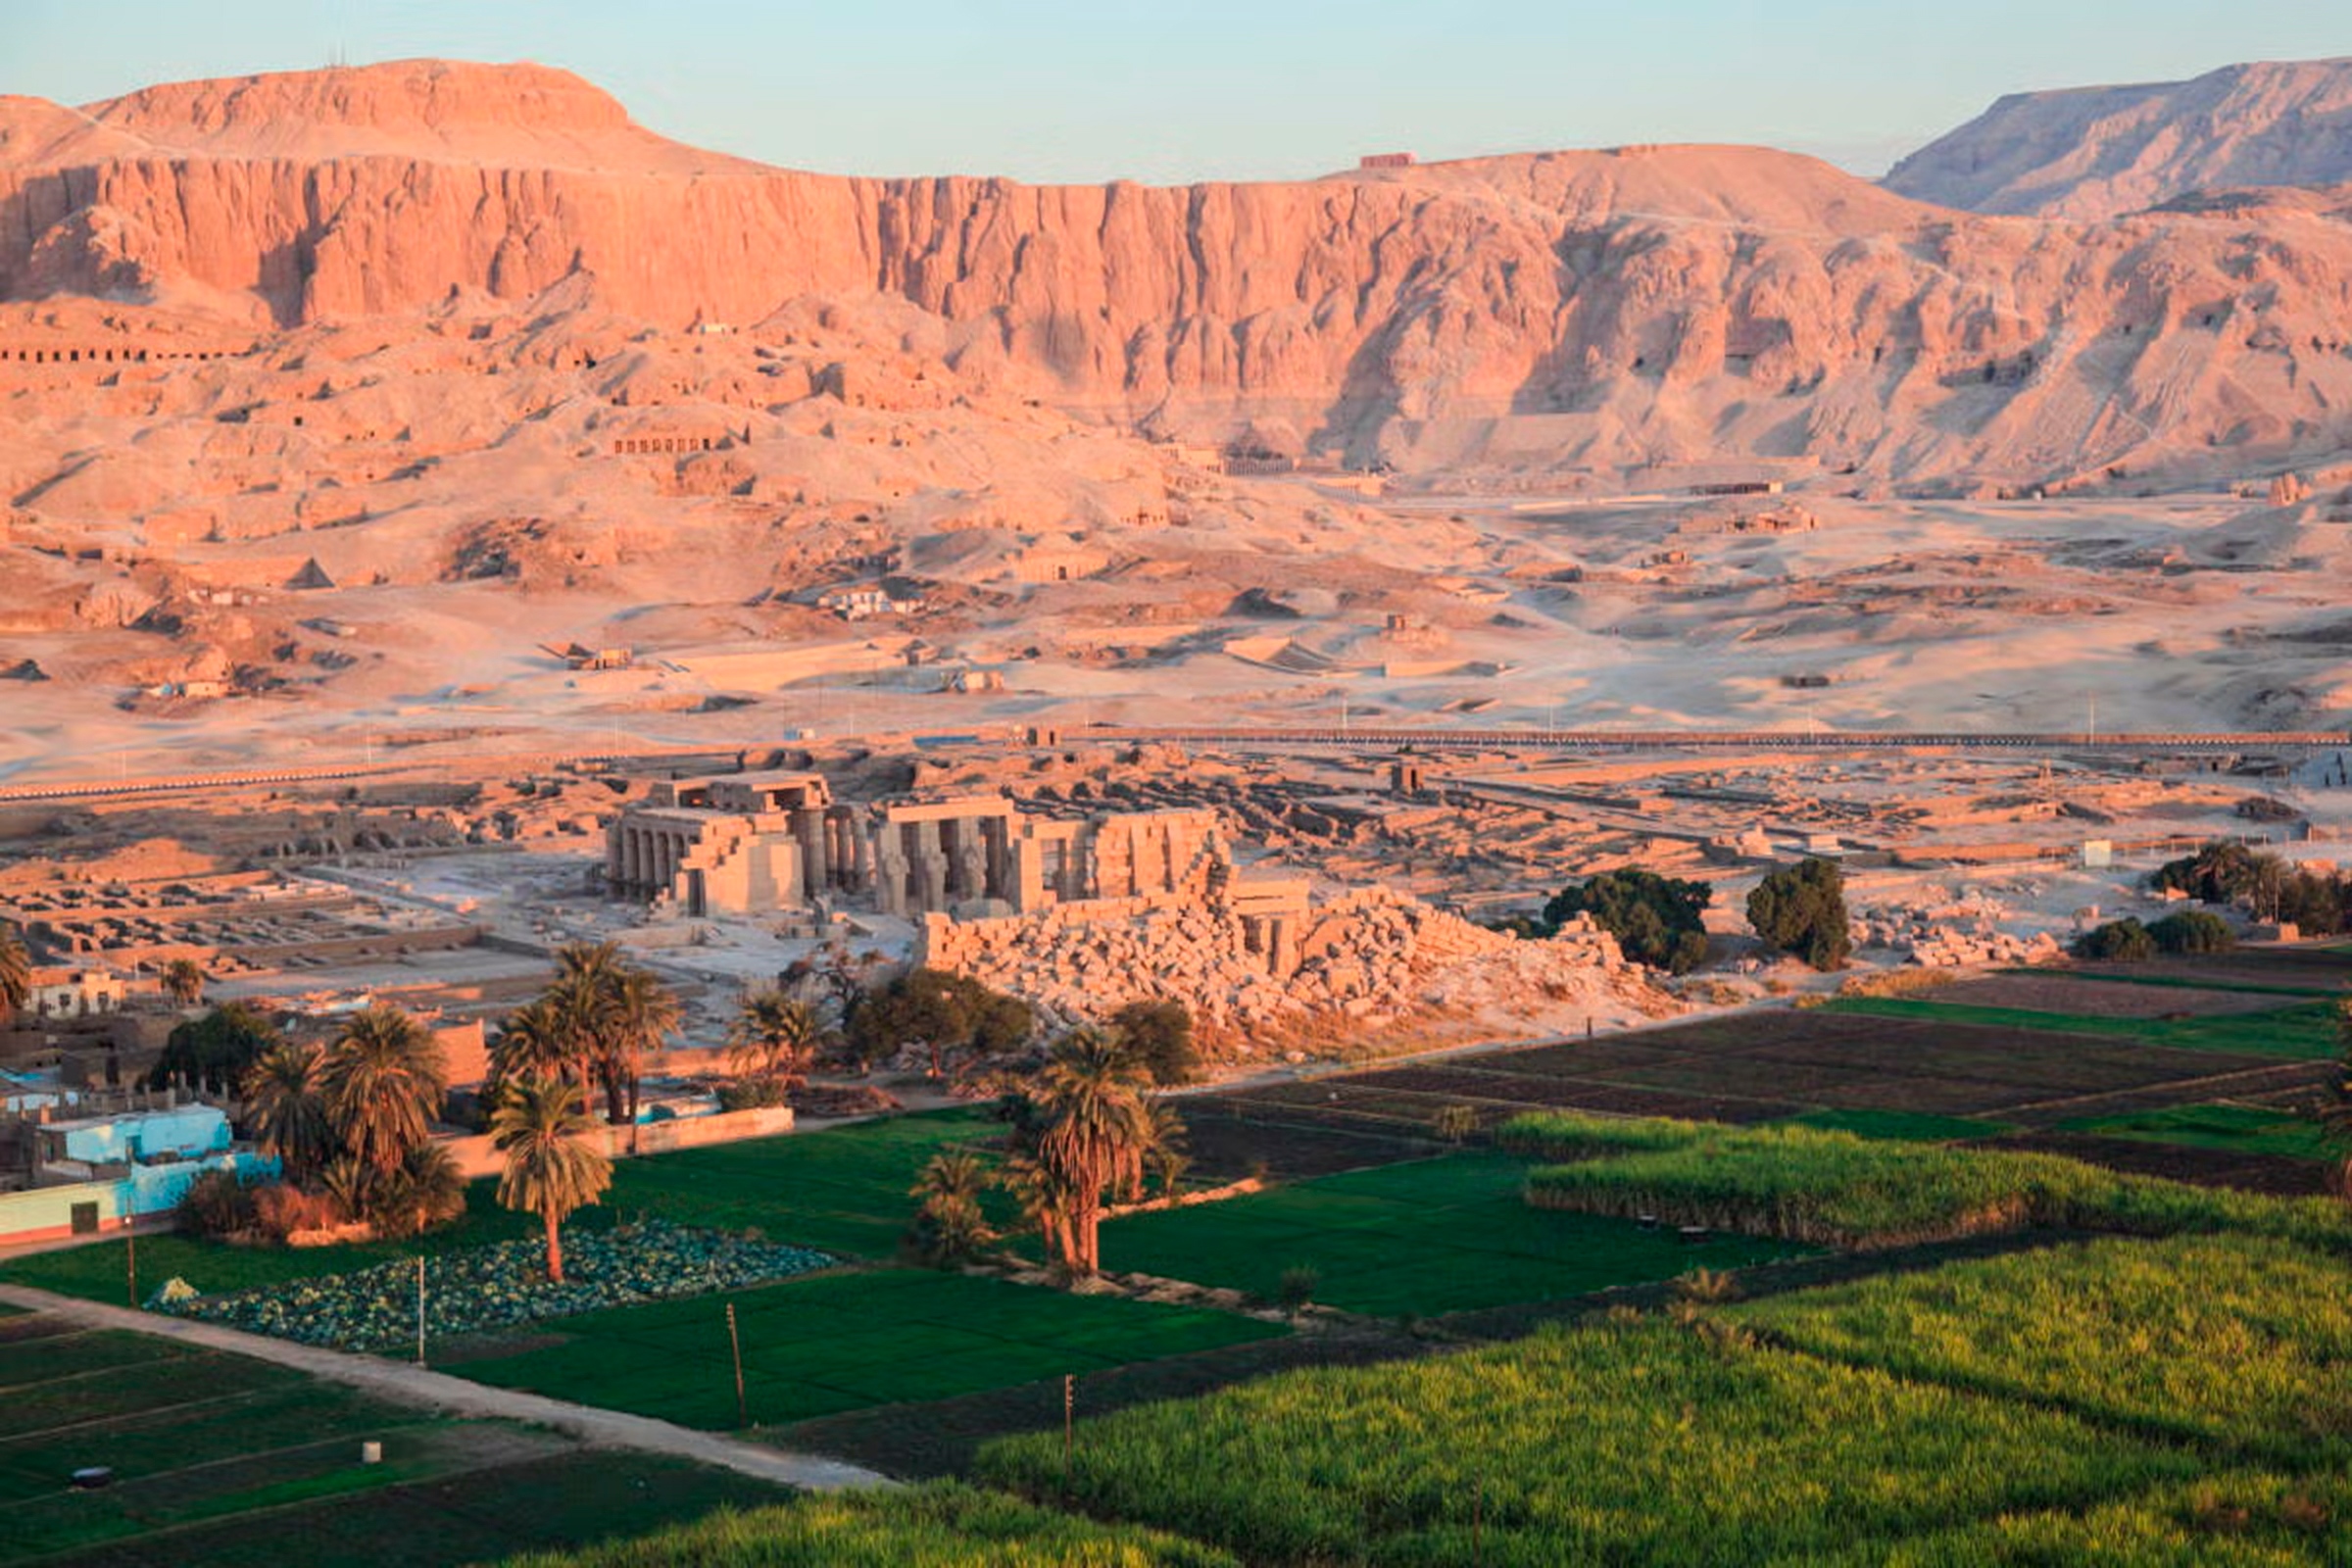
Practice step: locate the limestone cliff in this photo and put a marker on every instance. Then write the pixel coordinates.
(1568, 311)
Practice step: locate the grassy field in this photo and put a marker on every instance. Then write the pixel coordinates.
(2235, 1340)
(2237, 1129)
(1908, 1126)
(1427, 1236)
(1642, 1442)
(938, 1526)
(2303, 1032)
(219, 1460)
(846, 1342)
(843, 1189)
(1837, 1190)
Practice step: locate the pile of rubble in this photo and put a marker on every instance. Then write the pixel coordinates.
(1955, 935)
(1371, 957)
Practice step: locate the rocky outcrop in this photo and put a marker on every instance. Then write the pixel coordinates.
(2093, 153)
(1573, 310)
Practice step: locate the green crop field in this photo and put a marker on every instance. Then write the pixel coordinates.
(2238, 1129)
(1834, 1189)
(846, 1342)
(2240, 1340)
(1426, 1236)
(939, 1525)
(2303, 1032)
(1643, 1442)
(1907, 1125)
(221, 1459)
(843, 1189)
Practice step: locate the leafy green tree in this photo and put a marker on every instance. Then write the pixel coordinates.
(384, 1083)
(15, 972)
(2192, 931)
(552, 1167)
(183, 982)
(2312, 902)
(1159, 1038)
(773, 1035)
(608, 1014)
(949, 1015)
(216, 1050)
(2124, 941)
(1801, 908)
(949, 1225)
(286, 1108)
(1658, 920)
(2222, 872)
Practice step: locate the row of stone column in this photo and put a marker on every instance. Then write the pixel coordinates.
(646, 857)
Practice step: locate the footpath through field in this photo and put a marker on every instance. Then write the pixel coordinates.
(415, 1384)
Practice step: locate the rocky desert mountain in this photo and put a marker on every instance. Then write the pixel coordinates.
(1573, 310)
(2097, 153)
(355, 390)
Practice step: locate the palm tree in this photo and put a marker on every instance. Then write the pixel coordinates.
(774, 1035)
(16, 971)
(552, 1167)
(285, 1102)
(644, 1014)
(1092, 1129)
(949, 1225)
(384, 1082)
(537, 1041)
(183, 982)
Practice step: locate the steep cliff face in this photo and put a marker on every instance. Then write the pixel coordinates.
(2093, 153)
(1572, 309)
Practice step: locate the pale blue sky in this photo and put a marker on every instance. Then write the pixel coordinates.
(1191, 89)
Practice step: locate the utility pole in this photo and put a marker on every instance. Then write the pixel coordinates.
(743, 1414)
(130, 1259)
(420, 1309)
(1070, 1429)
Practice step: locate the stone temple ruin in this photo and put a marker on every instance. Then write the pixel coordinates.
(756, 844)
(1082, 913)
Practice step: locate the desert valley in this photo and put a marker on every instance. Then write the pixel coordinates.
(1587, 856)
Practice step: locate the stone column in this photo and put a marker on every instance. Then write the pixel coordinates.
(931, 867)
(808, 825)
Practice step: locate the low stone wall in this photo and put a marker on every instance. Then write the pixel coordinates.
(478, 1156)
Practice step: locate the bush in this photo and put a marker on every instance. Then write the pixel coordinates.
(1658, 920)
(216, 1205)
(1159, 1038)
(2219, 873)
(2192, 931)
(753, 1094)
(2124, 941)
(949, 1014)
(1297, 1288)
(281, 1208)
(1801, 908)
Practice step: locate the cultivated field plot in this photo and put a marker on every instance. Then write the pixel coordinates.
(2322, 969)
(2205, 1166)
(842, 1190)
(221, 1459)
(2107, 996)
(1426, 1237)
(846, 1342)
(1227, 1143)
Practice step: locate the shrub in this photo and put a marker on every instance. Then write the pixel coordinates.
(216, 1205)
(753, 1094)
(2219, 873)
(216, 1050)
(1658, 920)
(2124, 941)
(2192, 931)
(281, 1208)
(1297, 1288)
(1801, 908)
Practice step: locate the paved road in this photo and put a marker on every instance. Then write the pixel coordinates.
(411, 1385)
